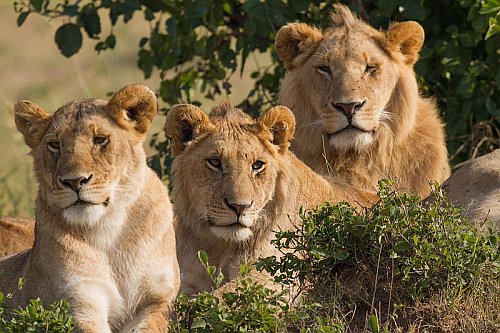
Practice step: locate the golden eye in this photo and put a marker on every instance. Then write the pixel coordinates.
(214, 163)
(101, 140)
(258, 166)
(53, 146)
(324, 69)
(370, 69)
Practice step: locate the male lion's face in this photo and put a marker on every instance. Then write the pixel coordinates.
(346, 77)
(88, 155)
(226, 167)
(350, 80)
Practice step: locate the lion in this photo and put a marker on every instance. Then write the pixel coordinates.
(16, 234)
(104, 233)
(234, 184)
(354, 94)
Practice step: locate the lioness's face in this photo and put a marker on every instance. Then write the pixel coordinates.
(349, 80)
(81, 161)
(88, 155)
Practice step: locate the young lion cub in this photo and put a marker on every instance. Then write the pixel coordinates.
(104, 237)
(235, 183)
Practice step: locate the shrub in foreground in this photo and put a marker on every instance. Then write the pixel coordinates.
(401, 265)
(35, 318)
(423, 245)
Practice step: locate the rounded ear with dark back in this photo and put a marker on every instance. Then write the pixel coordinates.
(133, 107)
(32, 121)
(281, 123)
(407, 38)
(184, 123)
(296, 42)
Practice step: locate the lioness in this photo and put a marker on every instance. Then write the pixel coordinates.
(234, 184)
(104, 237)
(355, 97)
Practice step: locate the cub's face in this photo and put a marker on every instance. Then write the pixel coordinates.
(88, 155)
(226, 168)
(350, 80)
(228, 178)
(83, 161)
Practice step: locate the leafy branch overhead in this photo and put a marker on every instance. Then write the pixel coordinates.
(197, 46)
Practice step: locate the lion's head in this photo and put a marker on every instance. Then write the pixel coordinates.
(350, 73)
(354, 95)
(86, 154)
(233, 167)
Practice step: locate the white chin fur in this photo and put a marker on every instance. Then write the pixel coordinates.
(351, 139)
(235, 233)
(88, 215)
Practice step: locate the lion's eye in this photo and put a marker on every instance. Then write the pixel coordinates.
(214, 164)
(258, 166)
(101, 140)
(370, 69)
(54, 146)
(324, 69)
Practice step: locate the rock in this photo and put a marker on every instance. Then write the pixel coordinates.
(476, 187)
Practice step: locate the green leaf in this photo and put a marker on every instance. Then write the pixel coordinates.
(493, 29)
(203, 256)
(91, 22)
(22, 17)
(198, 323)
(373, 324)
(402, 246)
(68, 39)
(37, 4)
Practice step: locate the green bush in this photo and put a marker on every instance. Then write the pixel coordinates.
(197, 46)
(250, 307)
(425, 246)
(35, 318)
(402, 255)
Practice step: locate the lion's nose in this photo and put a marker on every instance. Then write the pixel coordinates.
(75, 183)
(348, 109)
(239, 207)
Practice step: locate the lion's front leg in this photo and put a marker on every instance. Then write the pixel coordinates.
(153, 319)
(92, 303)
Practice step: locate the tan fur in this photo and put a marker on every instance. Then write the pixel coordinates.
(104, 236)
(393, 132)
(16, 235)
(234, 184)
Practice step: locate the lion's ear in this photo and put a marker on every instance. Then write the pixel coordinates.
(281, 122)
(296, 42)
(407, 38)
(32, 121)
(184, 123)
(134, 107)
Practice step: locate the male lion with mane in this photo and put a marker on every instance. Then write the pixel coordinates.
(234, 184)
(355, 97)
(104, 235)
